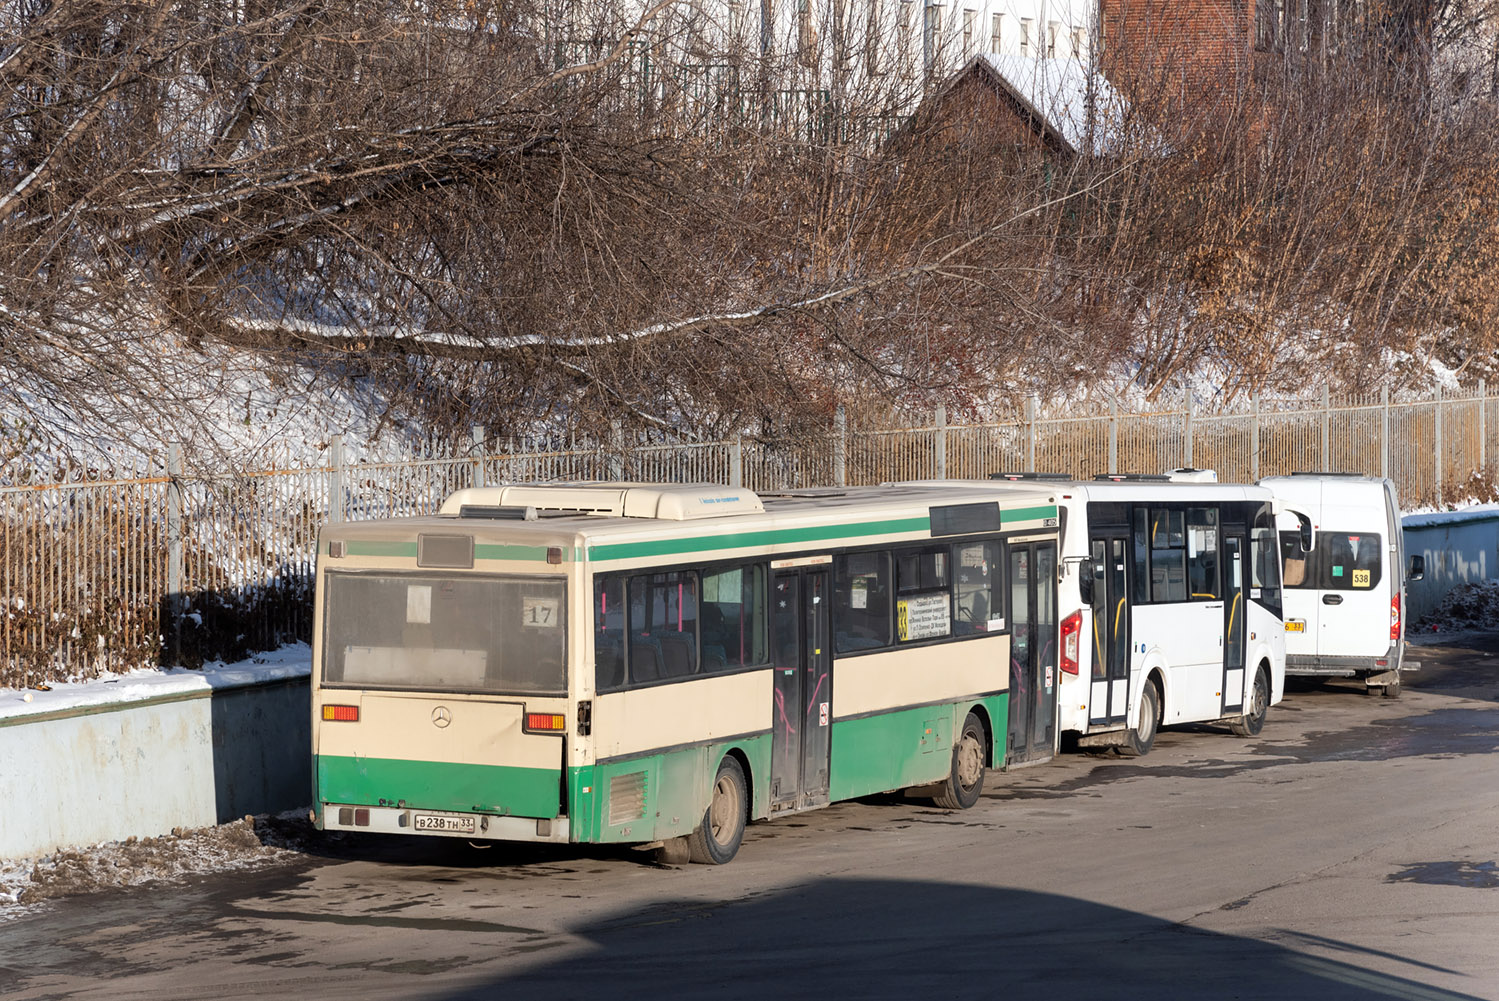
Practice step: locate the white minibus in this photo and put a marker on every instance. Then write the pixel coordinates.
(1345, 593)
(1170, 602)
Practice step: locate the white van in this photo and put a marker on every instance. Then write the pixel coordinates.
(1344, 577)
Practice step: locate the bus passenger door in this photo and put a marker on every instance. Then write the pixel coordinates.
(802, 692)
(1234, 616)
(1108, 699)
(1033, 652)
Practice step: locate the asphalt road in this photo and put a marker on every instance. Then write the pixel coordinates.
(1348, 852)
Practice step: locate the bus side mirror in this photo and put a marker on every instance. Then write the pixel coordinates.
(1087, 572)
(1308, 538)
(1418, 568)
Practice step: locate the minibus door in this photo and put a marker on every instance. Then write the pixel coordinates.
(802, 693)
(1109, 692)
(1234, 614)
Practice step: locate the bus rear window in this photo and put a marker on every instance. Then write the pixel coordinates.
(455, 633)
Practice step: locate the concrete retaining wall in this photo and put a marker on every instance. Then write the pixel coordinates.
(1459, 547)
(140, 768)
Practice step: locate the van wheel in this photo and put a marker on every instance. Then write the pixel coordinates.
(716, 840)
(1391, 691)
(1253, 720)
(1141, 737)
(966, 780)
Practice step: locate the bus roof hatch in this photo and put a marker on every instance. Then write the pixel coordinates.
(664, 501)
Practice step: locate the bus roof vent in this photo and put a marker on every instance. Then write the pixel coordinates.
(500, 512)
(1133, 477)
(1030, 476)
(1189, 475)
(665, 501)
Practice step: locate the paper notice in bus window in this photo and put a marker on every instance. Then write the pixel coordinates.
(996, 625)
(540, 613)
(419, 604)
(858, 594)
(1337, 571)
(1360, 578)
(923, 617)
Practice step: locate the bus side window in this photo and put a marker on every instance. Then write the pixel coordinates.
(980, 597)
(734, 618)
(663, 626)
(1202, 553)
(861, 601)
(608, 632)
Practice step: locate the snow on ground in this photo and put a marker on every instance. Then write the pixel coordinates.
(1466, 609)
(249, 843)
(291, 661)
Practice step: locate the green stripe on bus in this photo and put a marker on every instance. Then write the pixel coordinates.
(405, 550)
(1007, 515)
(440, 785)
(495, 551)
(910, 747)
(482, 551)
(753, 540)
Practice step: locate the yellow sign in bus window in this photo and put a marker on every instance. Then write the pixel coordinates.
(1360, 578)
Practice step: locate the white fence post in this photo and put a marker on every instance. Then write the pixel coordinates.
(1436, 459)
(840, 447)
(1113, 434)
(336, 479)
(1384, 432)
(1254, 440)
(174, 550)
(1325, 458)
(476, 435)
(1187, 433)
(736, 462)
(616, 451)
(1483, 444)
(1030, 433)
(941, 441)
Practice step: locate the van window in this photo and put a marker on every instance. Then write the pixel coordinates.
(1264, 572)
(1350, 562)
(1295, 560)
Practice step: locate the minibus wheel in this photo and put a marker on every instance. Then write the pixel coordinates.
(1253, 720)
(1139, 739)
(716, 840)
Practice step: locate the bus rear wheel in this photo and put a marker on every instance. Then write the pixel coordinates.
(1139, 739)
(716, 840)
(1253, 720)
(966, 779)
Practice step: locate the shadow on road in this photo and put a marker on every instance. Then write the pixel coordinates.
(890, 939)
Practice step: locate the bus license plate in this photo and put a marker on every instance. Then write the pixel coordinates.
(438, 822)
(1295, 626)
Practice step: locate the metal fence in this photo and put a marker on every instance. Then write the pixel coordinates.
(123, 573)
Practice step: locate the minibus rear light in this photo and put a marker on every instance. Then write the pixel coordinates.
(545, 723)
(1395, 616)
(341, 714)
(1072, 629)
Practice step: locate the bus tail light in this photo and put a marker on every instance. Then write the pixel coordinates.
(341, 714)
(545, 723)
(1395, 616)
(1072, 631)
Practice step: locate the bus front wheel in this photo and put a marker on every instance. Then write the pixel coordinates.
(1140, 738)
(1253, 720)
(716, 840)
(966, 780)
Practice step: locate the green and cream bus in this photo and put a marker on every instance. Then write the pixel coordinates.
(660, 664)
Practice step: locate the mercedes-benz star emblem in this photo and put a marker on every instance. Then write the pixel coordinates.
(441, 717)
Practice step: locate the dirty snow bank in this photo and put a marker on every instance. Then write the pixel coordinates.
(249, 843)
(1467, 608)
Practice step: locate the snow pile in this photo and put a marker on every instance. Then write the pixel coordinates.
(291, 661)
(1471, 607)
(250, 843)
